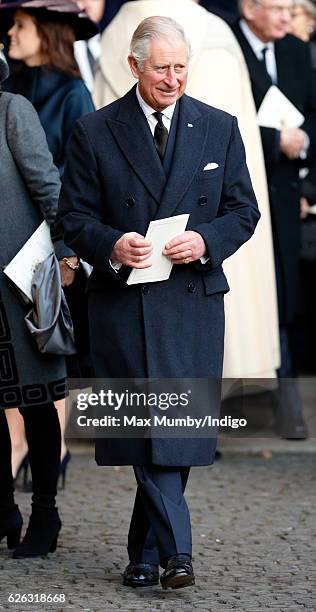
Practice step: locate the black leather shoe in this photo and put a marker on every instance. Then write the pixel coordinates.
(178, 573)
(141, 575)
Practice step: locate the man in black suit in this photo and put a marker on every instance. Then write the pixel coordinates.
(157, 153)
(275, 58)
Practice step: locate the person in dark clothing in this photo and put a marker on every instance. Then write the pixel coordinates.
(227, 9)
(42, 41)
(49, 77)
(276, 58)
(28, 379)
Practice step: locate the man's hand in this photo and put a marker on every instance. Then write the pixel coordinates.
(185, 248)
(67, 274)
(304, 211)
(292, 142)
(132, 250)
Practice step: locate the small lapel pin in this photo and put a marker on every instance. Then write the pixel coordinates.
(190, 124)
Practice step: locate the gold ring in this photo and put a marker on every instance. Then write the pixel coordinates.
(186, 260)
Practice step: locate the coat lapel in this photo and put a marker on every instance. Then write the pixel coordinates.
(257, 70)
(188, 151)
(132, 134)
(285, 69)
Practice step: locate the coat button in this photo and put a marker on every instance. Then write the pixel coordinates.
(130, 202)
(191, 287)
(145, 290)
(202, 200)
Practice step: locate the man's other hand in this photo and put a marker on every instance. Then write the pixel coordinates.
(304, 209)
(132, 250)
(185, 248)
(292, 142)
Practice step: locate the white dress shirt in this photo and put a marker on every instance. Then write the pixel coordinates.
(81, 56)
(257, 46)
(167, 113)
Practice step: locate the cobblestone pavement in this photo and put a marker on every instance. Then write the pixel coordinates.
(254, 535)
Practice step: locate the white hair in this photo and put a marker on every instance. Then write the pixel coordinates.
(241, 4)
(154, 28)
(307, 5)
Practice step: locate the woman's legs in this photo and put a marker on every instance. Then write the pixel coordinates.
(44, 441)
(60, 405)
(10, 516)
(43, 437)
(18, 439)
(6, 479)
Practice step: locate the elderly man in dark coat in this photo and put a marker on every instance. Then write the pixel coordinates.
(276, 58)
(157, 153)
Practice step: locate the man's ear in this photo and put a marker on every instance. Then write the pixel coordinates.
(248, 9)
(133, 66)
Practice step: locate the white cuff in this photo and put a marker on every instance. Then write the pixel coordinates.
(303, 153)
(115, 265)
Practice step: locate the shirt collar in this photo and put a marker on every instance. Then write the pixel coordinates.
(148, 110)
(256, 43)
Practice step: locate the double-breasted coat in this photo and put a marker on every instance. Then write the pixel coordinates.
(219, 77)
(114, 183)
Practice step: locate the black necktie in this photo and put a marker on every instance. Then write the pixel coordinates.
(160, 135)
(264, 61)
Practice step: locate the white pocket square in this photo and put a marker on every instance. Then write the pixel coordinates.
(211, 166)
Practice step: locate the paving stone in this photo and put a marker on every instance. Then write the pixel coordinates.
(253, 532)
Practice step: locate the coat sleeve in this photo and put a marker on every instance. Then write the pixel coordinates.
(28, 145)
(270, 138)
(81, 207)
(309, 125)
(77, 103)
(238, 212)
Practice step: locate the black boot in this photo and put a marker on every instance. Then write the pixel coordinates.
(43, 437)
(41, 534)
(11, 525)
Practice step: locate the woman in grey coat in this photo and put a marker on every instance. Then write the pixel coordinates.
(30, 380)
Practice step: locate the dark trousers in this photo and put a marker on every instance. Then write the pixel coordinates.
(160, 525)
(44, 441)
(286, 366)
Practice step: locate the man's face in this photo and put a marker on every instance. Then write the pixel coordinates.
(164, 76)
(268, 19)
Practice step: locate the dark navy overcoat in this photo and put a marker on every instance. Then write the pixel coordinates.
(114, 183)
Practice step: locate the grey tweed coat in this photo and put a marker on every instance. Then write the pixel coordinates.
(29, 189)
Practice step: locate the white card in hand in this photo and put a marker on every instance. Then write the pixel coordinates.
(21, 268)
(277, 111)
(159, 233)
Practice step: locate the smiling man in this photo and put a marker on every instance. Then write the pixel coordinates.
(157, 153)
